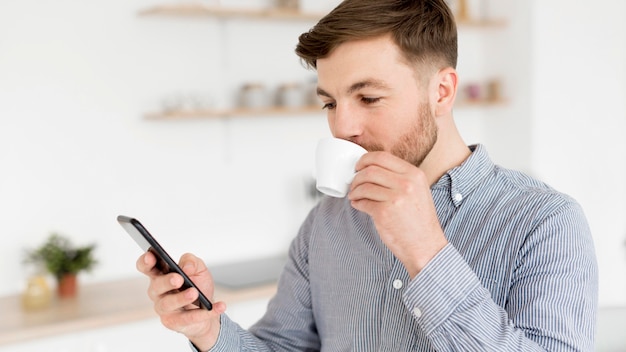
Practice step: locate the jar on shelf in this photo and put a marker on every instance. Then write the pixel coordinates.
(253, 96)
(37, 294)
(292, 5)
(494, 90)
(473, 91)
(291, 95)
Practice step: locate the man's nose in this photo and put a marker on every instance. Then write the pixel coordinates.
(345, 123)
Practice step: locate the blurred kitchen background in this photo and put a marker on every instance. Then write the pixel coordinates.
(114, 107)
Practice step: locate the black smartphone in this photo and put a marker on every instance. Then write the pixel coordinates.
(164, 262)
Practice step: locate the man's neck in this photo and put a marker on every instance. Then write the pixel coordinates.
(448, 152)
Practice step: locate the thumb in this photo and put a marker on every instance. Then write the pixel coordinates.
(191, 264)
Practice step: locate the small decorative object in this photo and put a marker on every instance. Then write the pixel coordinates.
(64, 261)
(292, 5)
(186, 102)
(473, 91)
(291, 95)
(172, 103)
(254, 96)
(37, 294)
(494, 88)
(462, 11)
(310, 92)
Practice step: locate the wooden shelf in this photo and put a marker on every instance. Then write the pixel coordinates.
(277, 111)
(484, 103)
(490, 23)
(236, 112)
(200, 10)
(96, 306)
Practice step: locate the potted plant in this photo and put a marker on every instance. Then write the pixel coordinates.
(64, 261)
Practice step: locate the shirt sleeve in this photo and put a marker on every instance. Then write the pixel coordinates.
(288, 324)
(233, 337)
(551, 304)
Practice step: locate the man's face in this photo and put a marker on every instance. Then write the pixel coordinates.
(375, 99)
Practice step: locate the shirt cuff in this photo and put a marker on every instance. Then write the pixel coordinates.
(434, 294)
(227, 340)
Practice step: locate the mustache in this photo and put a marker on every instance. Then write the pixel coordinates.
(370, 147)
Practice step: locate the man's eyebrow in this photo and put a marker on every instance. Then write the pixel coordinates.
(368, 83)
(323, 93)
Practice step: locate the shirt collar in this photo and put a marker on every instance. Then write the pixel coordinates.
(462, 180)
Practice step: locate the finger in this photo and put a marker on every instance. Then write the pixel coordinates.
(161, 285)
(373, 174)
(189, 322)
(194, 266)
(382, 159)
(196, 270)
(219, 308)
(145, 263)
(381, 169)
(377, 184)
(369, 191)
(170, 303)
(198, 315)
(190, 263)
(175, 301)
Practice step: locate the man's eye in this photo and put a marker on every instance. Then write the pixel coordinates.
(369, 100)
(329, 106)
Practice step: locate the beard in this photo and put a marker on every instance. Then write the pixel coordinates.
(417, 142)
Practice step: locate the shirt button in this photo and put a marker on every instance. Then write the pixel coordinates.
(458, 197)
(397, 284)
(417, 312)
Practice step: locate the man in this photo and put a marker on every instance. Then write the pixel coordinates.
(435, 247)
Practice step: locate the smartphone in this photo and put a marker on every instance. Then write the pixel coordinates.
(164, 262)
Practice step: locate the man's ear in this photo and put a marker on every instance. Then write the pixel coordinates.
(445, 87)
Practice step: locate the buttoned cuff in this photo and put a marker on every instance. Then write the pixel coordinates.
(434, 294)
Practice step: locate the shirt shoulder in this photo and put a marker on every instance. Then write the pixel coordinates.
(530, 190)
(491, 181)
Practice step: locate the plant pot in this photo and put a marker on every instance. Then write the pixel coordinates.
(67, 286)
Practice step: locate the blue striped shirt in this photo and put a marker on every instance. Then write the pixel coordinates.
(519, 274)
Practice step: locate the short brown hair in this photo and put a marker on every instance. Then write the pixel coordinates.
(424, 30)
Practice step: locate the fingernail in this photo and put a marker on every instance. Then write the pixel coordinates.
(175, 281)
(191, 293)
(188, 267)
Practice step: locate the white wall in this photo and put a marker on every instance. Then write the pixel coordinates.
(75, 151)
(76, 78)
(578, 119)
(564, 67)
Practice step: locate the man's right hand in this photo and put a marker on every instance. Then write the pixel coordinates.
(175, 308)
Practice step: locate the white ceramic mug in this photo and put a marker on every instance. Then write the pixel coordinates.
(335, 160)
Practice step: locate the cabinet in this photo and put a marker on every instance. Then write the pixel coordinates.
(198, 10)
